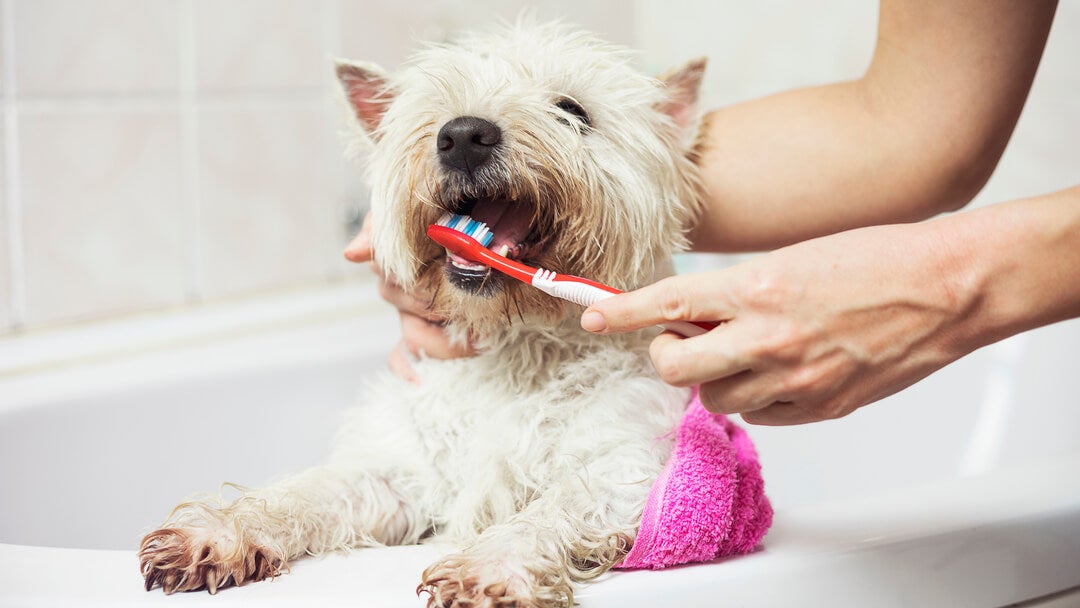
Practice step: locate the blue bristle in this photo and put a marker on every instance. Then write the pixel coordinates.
(466, 225)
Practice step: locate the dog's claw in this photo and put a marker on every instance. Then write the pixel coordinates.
(189, 560)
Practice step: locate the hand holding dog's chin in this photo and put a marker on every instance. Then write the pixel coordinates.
(422, 332)
(812, 331)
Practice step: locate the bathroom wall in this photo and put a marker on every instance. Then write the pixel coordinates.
(166, 153)
(159, 154)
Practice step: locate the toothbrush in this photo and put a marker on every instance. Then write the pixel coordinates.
(469, 238)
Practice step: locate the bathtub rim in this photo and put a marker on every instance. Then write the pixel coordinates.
(880, 543)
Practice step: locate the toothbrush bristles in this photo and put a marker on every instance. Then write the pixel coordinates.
(468, 226)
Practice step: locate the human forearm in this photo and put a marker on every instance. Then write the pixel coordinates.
(918, 134)
(820, 328)
(1019, 264)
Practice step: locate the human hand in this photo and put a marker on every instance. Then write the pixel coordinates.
(421, 330)
(812, 331)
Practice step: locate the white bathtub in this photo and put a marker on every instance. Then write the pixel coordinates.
(964, 490)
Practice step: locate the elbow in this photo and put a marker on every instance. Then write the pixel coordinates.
(964, 173)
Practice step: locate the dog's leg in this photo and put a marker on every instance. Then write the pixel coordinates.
(534, 559)
(207, 544)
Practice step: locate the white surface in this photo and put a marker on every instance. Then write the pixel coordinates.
(871, 510)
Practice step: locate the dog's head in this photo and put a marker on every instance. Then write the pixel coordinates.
(577, 162)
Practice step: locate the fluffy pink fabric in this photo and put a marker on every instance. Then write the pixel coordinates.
(708, 502)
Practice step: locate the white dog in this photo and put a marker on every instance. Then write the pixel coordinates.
(536, 455)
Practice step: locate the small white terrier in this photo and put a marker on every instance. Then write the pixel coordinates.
(536, 455)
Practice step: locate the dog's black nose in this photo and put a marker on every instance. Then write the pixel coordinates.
(466, 143)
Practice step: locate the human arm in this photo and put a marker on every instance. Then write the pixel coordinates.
(818, 329)
(917, 134)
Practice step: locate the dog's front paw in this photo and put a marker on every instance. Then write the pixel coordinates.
(189, 559)
(462, 582)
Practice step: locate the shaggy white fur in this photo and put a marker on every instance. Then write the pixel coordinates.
(535, 456)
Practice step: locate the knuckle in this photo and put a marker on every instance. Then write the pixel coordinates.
(767, 290)
(673, 303)
(802, 381)
(785, 342)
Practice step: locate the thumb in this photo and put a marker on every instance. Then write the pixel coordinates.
(359, 249)
(690, 297)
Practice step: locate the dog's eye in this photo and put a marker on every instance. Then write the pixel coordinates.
(574, 108)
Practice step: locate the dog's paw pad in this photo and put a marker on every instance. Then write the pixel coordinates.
(180, 559)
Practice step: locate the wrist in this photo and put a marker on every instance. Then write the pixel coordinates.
(1013, 264)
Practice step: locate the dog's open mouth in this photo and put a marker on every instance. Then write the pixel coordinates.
(516, 236)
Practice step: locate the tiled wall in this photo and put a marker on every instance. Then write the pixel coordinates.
(159, 153)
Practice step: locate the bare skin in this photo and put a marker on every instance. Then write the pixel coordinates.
(859, 311)
(421, 330)
(918, 134)
(818, 329)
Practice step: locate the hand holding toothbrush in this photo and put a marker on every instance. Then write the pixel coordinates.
(815, 330)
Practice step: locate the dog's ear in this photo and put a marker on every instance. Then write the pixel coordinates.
(367, 90)
(683, 83)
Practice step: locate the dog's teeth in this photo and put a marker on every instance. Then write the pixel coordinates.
(503, 250)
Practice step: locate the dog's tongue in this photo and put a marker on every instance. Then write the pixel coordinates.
(508, 221)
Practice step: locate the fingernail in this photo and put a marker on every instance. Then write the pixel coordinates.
(593, 321)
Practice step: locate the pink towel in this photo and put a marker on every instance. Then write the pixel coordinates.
(708, 502)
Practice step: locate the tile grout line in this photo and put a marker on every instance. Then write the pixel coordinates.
(189, 154)
(12, 180)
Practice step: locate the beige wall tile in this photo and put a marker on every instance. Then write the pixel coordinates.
(345, 184)
(102, 218)
(263, 197)
(758, 48)
(386, 31)
(5, 261)
(104, 46)
(259, 44)
(3, 44)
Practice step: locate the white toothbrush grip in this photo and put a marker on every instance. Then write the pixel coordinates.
(586, 294)
(572, 291)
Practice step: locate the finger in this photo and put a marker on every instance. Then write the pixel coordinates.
(781, 414)
(423, 338)
(359, 249)
(400, 364)
(708, 357)
(747, 391)
(405, 301)
(377, 271)
(691, 297)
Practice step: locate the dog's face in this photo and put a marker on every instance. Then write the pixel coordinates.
(577, 163)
